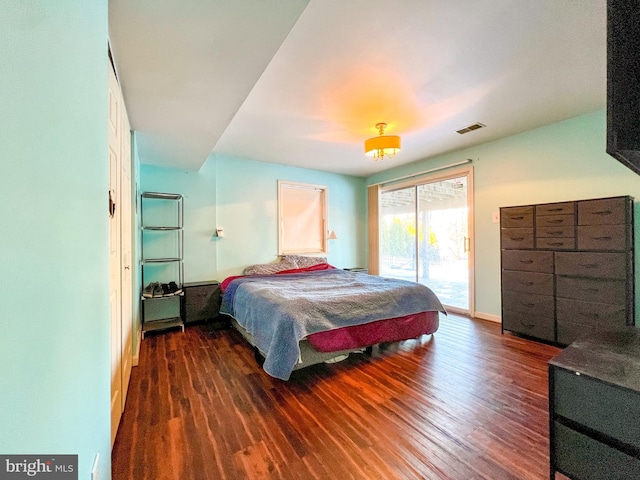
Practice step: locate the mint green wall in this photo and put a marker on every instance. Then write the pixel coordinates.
(562, 161)
(199, 191)
(247, 201)
(54, 264)
(241, 196)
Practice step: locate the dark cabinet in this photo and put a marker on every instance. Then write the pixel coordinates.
(567, 268)
(201, 301)
(623, 82)
(594, 406)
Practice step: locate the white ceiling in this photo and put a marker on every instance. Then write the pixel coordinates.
(303, 82)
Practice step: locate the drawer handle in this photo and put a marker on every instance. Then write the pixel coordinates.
(602, 212)
(527, 284)
(589, 265)
(519, 217)
(600, 238)
(527, 304)
(517, 239)
(556, 221)
(556, 244)
(528, 325)
(592, 290)
(556, 209)
(526, 262)
(555, 232)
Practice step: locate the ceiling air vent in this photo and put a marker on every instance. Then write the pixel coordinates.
(470, 128)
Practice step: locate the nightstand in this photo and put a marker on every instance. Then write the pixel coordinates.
(201, 301)
(357, 269)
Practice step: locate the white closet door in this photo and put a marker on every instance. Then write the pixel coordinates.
(115, 284)
(126, 241)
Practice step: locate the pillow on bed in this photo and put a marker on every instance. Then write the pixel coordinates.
(301, 261)
(285, 267)
(312, 268)
(269, 268)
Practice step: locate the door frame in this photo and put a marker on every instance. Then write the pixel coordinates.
(121, 249)
(440, 176)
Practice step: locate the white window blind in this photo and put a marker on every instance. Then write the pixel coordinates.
(302, 218)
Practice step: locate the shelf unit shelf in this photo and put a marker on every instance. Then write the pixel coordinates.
(162, 229)
(161, 260)
(164, 324)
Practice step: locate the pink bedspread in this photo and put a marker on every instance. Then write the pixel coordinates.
(390, 330)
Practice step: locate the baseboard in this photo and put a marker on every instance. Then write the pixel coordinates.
(488, 316)
(136, 356)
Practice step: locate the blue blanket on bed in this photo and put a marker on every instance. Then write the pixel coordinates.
(280, 310)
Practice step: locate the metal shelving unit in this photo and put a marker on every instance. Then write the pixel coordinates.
(162, 258)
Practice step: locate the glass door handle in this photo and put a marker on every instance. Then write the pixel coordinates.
(467, 244)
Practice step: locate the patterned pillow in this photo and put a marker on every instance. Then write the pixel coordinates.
(302, 261)
(269, 268)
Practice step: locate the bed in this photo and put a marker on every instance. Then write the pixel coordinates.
(310, 314)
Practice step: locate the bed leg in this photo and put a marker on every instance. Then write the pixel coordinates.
(369, 350)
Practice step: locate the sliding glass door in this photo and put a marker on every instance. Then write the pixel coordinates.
(425, 236)
(398, 234)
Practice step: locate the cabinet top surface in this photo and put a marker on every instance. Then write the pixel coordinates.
(201, 283)
(568, 201)
(167, 196)
(611, 356)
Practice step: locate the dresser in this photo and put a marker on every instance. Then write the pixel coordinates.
(594, 407)
(567, 268)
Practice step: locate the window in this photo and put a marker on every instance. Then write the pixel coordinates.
(302, 218)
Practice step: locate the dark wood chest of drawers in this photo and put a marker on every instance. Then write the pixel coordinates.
(594, 407)
(567, 268)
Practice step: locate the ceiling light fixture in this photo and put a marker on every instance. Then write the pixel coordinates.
(378, 147)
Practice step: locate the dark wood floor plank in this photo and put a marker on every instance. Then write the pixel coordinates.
(467, 402)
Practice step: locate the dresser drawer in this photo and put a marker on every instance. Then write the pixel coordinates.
(514, 217)
(604, 315)
(599, 406)
(561, 208)
(585, 457)
(528, 303)
(556, 243)
(606, 211)
(567, 332)
(514, 238)
(527, 261)
(531, 324)
(586, 264)
(528, 282)
(556, 221)
(603, 237)
(591, 289)
(555, 232)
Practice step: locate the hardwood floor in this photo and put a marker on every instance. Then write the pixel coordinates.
(465, 403)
